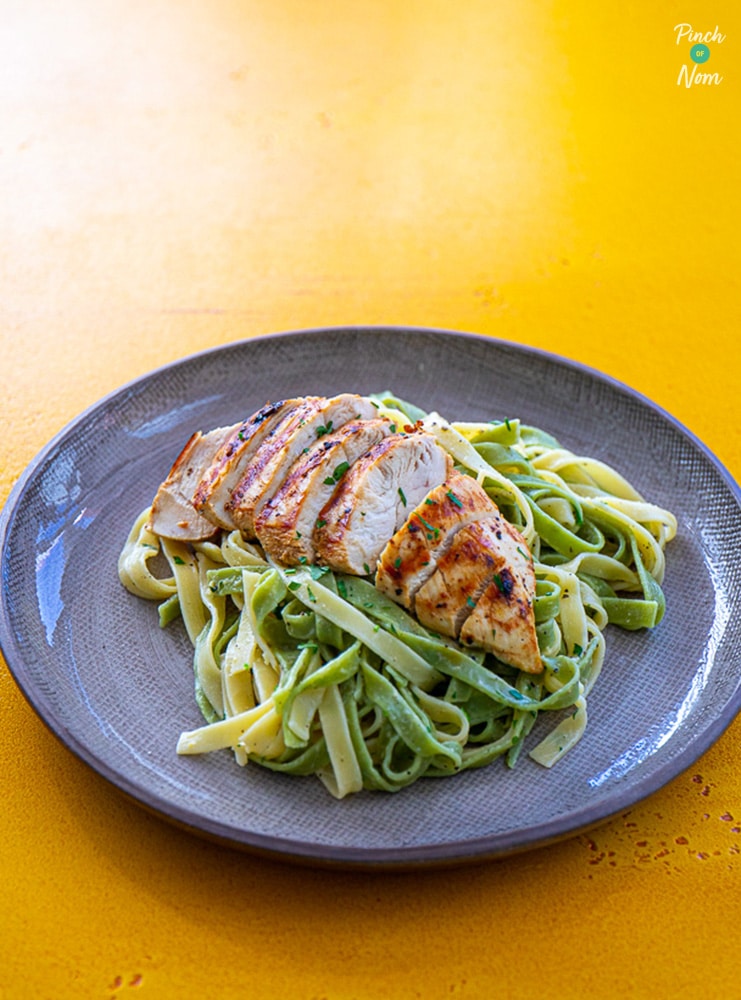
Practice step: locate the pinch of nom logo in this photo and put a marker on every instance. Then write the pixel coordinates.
(699, 53)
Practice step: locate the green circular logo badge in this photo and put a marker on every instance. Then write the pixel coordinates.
(699, 53)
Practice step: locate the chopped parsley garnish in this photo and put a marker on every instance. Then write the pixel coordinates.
(179, 561)
(366, 567)
(294, 585)
(338, 473)
(403, 498)
(470, 602)
(392, 428)
(324, 429)
(310, 594)
(397, 562)
(453, 498)
(498, 581)
(318, 571)
(577, 649)
(320, 523)
(342, 589)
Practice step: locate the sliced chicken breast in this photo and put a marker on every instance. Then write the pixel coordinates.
(213, 492)
(449, 595)
(285, 524)
(374, 498)
(312, 419)
(173, 514)
(503, 620)
(412, 554)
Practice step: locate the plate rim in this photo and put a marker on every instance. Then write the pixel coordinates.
(439, 854)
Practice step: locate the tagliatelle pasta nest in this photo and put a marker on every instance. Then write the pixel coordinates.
(310, 671)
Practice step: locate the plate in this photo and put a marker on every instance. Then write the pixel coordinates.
(117, 690)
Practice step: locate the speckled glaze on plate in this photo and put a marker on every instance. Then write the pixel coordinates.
(117, 690)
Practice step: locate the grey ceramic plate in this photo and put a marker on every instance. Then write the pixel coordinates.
(118, 691)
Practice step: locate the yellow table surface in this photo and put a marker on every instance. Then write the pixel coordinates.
(175, 176)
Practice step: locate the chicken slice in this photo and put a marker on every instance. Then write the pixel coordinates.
(503, 620)
(412, 554)
(312, 419)
(285, 524)
(448, 596)
(173, 514)
(483, 593)
(213, 492)
(374, 497)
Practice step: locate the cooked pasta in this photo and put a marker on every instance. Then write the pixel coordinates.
(309, 671)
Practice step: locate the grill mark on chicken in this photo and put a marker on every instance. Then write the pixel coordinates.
(313, 418)
(447, 597)
(213, 493)
(465, 572)
(285, 525)
(503, 619)
(412, 554)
